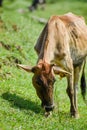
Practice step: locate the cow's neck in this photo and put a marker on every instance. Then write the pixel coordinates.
(47, 52)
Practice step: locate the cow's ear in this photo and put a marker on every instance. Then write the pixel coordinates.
(60, 71)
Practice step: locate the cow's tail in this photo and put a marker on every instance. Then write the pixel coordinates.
(83, 84)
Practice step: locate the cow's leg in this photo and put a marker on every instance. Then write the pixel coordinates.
(83, 82)
(70, 86)
(76, 79)
(70, 92)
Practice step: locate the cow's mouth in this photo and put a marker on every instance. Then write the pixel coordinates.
(48, 109)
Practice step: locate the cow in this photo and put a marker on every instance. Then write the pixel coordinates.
(62, 50)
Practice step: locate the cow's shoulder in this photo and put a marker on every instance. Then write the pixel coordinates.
(66, 19)
(72, 18)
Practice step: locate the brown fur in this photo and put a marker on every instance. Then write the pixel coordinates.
(61, 49)
(63, 42)
(44, 92)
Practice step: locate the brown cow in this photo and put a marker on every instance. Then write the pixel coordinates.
(61, 49)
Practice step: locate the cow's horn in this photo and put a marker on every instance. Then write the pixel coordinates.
(59, 70)
(26, 68)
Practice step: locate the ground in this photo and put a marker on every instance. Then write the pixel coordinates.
(19, 105)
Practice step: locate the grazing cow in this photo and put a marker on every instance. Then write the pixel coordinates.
(62, 50)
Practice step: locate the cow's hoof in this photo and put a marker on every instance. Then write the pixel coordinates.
(76, 116)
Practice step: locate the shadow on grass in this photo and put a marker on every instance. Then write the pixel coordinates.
(64, 116)
(19, 102)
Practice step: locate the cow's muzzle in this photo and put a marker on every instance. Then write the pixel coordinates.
(49, 108)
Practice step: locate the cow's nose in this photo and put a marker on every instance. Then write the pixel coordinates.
(49, 108)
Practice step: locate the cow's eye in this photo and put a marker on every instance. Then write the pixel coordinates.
(39, 81)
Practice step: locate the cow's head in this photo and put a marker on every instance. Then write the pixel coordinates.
(43, 81)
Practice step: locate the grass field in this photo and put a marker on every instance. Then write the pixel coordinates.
(19, 105)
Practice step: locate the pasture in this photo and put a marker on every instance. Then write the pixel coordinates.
(20, 108)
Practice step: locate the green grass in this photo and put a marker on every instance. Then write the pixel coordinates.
(19, 105)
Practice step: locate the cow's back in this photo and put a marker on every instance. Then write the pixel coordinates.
(76, 31)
